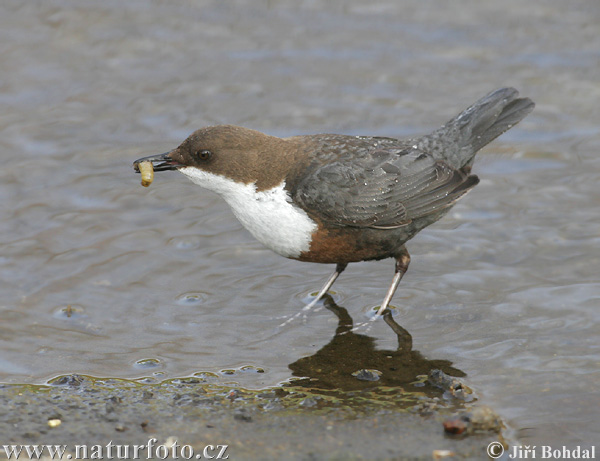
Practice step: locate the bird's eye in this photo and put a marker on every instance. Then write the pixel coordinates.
(203, 155)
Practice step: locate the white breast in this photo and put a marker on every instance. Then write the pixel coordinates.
(269, 215)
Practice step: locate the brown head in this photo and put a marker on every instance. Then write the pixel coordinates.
(241, 154)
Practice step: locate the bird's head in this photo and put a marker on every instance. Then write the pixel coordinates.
(239, 154)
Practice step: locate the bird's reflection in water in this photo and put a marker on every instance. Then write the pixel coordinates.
(350, 361)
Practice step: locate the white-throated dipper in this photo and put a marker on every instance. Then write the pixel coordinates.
(330, 198)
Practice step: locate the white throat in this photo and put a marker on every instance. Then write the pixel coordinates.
(269, 215)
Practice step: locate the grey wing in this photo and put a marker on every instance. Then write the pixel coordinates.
(385, 188)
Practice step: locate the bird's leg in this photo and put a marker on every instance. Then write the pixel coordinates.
(339, 268)
(332, 278)
(402, 262)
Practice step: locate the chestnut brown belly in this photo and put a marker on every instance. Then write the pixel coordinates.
(349, 244)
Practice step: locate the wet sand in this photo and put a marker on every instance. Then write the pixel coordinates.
(347, 401)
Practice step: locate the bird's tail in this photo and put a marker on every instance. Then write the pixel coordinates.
(478, 125)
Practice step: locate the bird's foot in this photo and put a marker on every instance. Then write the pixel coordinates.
(303, 313)
(365, 327)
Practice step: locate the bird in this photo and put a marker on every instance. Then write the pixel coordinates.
(339, 199)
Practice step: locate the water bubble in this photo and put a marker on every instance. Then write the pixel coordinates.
(251, 369)
(186, 242)
(69, 311)
(206, 375)
(367, 374)
(191, 299)
(146, 364)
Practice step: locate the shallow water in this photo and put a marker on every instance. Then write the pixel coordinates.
(163, 282)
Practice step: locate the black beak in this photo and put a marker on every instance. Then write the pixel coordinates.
(159, 162)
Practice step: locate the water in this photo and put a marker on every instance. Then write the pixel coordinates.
(103, 277)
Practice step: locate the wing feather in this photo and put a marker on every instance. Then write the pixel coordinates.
(382, 188)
